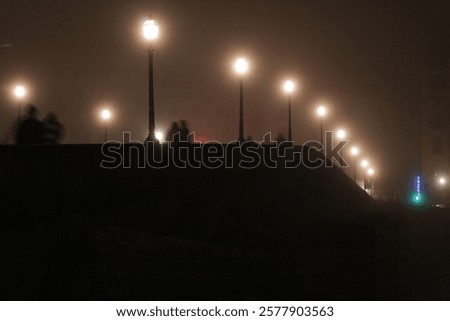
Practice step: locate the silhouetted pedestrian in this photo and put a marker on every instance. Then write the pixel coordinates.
(30, 131)
(184, 132)
(173, 135)
(281, 138)
(53, 130)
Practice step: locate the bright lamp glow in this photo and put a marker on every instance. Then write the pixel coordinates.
(371, 172)
(442, 181)
(355, 151)
(321, 111)
(364, 163)
(341, 134)
(106, 114)
(151, 30)
(159, 136)
(289, 86)
(20, 91)
(241, 66)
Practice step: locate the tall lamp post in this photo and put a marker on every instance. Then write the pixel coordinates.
(241, 68)
(370, 172)
(341, 135)
(354, 152)
(151, 32)
(321, 112)
(364, 165)
(106, 116)
(289, 88)
(19, 92)
(442, 182)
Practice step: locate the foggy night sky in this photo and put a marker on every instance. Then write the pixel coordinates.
(363, 59)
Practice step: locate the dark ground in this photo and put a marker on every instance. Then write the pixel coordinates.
(71, 230)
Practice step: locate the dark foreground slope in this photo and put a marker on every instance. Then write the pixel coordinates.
(71, 229)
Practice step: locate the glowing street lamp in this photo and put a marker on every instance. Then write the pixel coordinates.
(364, 163)
(159, 136)
(354, 151)
(241, 68)
(321, 112)
(20, 92)
(151, 30)
(151, 33)
(289, 88)
(106, 116)
(341, 134)
(442, 181)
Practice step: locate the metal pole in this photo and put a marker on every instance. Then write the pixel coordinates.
(290, 121)
(354, 169)
(19, 112)
(321, 131)
(151, 99)
(106, 133)
(241, 110)
(365, 180)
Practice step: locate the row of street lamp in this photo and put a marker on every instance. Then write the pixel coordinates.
(241, 67)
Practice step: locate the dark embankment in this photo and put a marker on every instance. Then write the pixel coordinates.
(71, 229)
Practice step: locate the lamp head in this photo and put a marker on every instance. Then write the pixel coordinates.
(20, 91)
(321, 111)
(364, 163)
(241, 66)
(355, 151)
(289, 86)
(341, 134)
(106, 114)
(151, 30)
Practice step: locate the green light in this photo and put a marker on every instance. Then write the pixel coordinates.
(417, 199)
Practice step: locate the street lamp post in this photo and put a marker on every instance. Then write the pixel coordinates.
(341, 135)
(370, 172)
(442, 184)
(241, 68)
(289, 88)
(19, 92)
(355, 152)
(321, 112)
(364, 165)
(151, 32)
(106, 116)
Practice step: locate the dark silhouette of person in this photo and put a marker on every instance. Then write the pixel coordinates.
(281, 138)
(173, 135)
(53, 129)
(184, 132)
(30, 130)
